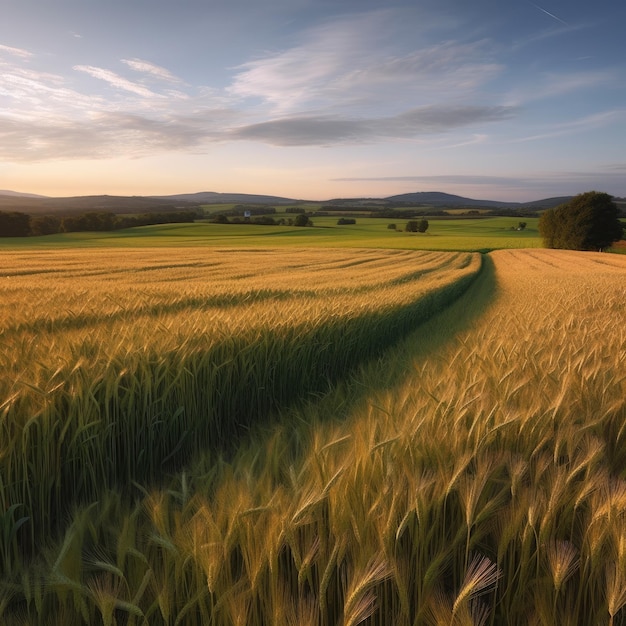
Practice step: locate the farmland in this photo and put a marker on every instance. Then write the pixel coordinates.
(115, 367)
(319, 436)
(481, 234)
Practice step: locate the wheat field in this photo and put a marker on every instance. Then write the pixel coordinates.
(119, 367)
(473, 474)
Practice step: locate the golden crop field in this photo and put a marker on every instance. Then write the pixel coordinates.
(473, 474)
(117, 367)
(62, 311)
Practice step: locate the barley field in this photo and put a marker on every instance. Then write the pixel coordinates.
(473, 473)
(119, 367)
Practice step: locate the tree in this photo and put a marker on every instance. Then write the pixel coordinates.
(422, 226)
(411, 226)
(302, 220)
(589, 221)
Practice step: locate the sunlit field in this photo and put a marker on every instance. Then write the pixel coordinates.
(117, 368)
(469, 470)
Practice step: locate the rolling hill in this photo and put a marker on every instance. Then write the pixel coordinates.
(31, 203)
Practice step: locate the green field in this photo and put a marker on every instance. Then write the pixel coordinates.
(443, 234)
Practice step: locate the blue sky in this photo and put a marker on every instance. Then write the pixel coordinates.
(493, 99)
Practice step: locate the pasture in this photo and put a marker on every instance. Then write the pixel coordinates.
(468, 235)
(320, 436)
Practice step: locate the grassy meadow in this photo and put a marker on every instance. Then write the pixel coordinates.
(276, 434)
(470, 235)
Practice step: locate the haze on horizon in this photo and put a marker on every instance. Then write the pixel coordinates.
(315, 99)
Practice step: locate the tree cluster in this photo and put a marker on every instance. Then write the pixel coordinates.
(415, 226)
(302, 220)
(589, 221)
(14, 224)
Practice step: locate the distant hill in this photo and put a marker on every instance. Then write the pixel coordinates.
(547, 203)
(212, 197)
(35, 204)
(18, 194)
(429, 198)
(438, 199)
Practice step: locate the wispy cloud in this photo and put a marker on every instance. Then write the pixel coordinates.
(617, 167)
(149, 68)
(475, 139)
(34, 94)
(16, 52)
(115, 80)
(100, 132)
(540, 184)
(327, 130)
(553, 85)
(357, 61)
(584, 124)
(548, 33)
(446, 179)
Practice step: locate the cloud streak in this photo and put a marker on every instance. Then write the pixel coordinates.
(500, 187)
(551, 85)
(588, 123)
(115, 80)
(153, 70)
(16, 52)
(135, 134)
(355, 62)
(558, 19)
(327, 130)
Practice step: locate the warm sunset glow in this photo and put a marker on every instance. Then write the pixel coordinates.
(316, 100)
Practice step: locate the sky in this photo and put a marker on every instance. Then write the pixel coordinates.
(313, 99)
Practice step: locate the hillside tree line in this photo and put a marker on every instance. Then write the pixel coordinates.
(15, 224)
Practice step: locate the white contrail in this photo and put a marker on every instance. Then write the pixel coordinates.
(558, 19)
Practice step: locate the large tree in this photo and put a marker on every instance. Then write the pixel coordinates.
(589, 221)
